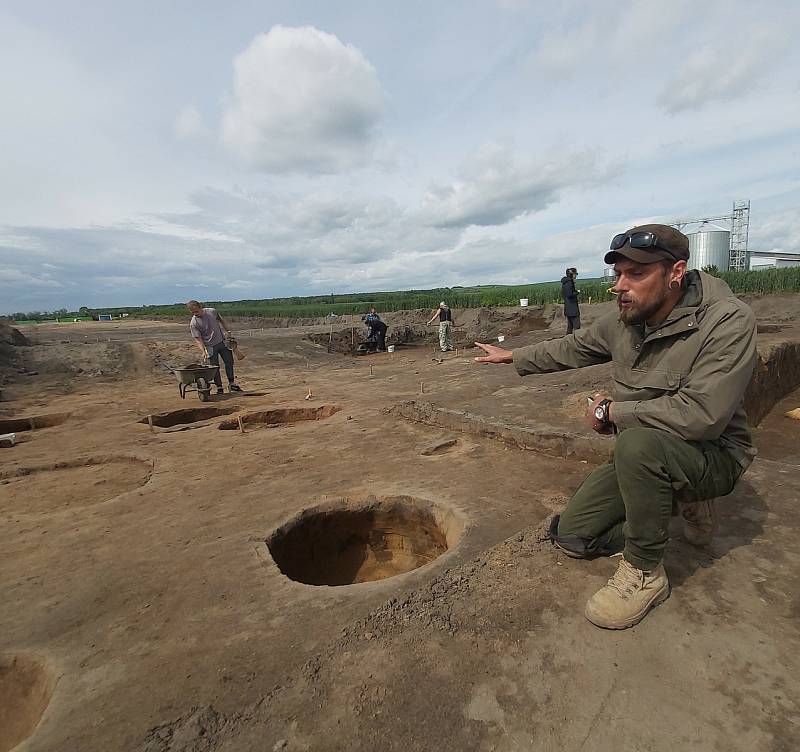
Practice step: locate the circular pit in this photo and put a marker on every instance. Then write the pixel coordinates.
(350, 542)
(26, 685)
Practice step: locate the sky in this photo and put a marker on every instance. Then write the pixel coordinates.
(155, 152)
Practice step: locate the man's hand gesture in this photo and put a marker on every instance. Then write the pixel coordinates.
(493, 354)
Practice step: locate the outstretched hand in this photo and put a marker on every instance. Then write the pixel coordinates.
(493, 354)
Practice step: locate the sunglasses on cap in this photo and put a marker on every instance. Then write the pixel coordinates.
(639, 240)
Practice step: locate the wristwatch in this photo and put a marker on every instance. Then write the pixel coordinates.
(601, 412)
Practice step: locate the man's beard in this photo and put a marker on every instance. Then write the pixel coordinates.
(638, 315)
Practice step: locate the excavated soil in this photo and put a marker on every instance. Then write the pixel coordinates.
(187, 415)
(281, 416)
(18, 425)
(26, 685)
(348, 542)
(776, 375)
(174, 630)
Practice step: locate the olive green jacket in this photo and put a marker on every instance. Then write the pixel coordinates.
(687, 376)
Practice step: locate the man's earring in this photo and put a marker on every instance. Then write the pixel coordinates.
(674, 285)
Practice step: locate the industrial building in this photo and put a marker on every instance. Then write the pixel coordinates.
(760, 260)
(723, 242)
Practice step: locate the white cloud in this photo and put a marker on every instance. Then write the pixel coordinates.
(597, 37)
(17, 277)
(111, 137)
(562, 53)
(776, 231)
(239, 284)
(189, 124)
(514, 4)
(717, 73)
(302, 102)
(498, 185)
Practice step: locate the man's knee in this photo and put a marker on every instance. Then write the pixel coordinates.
(636, 444)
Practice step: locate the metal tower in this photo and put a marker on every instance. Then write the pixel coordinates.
(740, 231)
(739, 220)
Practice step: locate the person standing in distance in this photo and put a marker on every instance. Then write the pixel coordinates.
(207, 328)
(569, 294)
(445, 326)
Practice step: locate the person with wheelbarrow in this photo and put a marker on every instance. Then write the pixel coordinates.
(207, 328)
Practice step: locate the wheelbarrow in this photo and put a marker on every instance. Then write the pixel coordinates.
(196, 377)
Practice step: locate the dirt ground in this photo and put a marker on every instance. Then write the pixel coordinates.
(143, 608)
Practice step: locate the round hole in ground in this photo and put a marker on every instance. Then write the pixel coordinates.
(70, 484)
(348, 542)
(26, 686)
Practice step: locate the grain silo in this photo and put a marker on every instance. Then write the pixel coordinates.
(710, 248)
(609, 275)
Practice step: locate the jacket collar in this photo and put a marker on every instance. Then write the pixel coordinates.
(683, 318)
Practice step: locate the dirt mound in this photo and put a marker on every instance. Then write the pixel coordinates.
(114, 360)
(492, 322)
(11, 336)
(346, 340)
(482, 324)
(10, 340)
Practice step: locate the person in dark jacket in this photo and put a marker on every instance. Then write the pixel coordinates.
(377, 329)
(569, 293)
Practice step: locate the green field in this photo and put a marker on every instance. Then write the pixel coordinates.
(766, 282)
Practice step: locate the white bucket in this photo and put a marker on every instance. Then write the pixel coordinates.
(523, 302)
(390, 348)
(501, 338)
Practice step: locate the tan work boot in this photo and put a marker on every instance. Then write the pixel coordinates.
(699, 521)
(627, 597)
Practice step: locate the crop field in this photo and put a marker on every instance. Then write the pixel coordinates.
(764, 282)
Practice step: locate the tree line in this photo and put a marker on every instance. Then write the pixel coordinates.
(759, 282)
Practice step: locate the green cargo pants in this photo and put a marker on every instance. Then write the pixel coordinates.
(626, 503)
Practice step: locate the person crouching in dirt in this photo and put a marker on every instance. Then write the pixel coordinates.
(377, 329)
(569, 294)
(684, 350)
(207, 328)
(445, 326)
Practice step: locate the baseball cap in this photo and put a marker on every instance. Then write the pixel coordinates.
(647, 244)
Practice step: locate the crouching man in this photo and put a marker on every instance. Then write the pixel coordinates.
(683, 349)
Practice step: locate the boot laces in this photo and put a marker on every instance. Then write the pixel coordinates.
(627, 580)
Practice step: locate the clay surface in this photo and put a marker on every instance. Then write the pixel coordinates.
(26, 685)
(136, 561)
